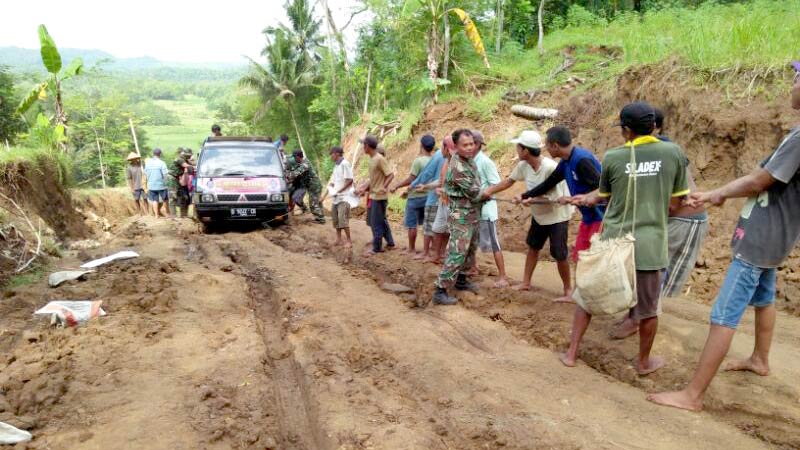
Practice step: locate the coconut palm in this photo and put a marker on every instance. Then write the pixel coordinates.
(304, 32)
(286, 73)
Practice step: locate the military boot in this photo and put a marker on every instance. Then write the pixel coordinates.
(440, 297)
(462, 284)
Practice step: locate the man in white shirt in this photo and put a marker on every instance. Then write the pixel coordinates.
(488, 241)
(549, 219)
(341, 191)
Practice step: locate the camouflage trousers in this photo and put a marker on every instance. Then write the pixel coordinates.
(316, 205)
(461, 248)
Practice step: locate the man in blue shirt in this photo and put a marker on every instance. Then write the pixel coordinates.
(581, 170)
(428, 175)
(156, 172)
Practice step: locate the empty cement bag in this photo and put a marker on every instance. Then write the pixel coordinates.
(72, 313)
(13, 435)
(60, 277)
(127, 254)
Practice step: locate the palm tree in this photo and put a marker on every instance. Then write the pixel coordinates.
(304, 32)
(287, 72)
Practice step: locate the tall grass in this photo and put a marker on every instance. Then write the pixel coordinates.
(739, 36)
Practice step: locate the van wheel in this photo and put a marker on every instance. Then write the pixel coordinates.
(208, 227)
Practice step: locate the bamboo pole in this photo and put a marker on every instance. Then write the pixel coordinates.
(100, 156)
(135, 141)
(366, 95)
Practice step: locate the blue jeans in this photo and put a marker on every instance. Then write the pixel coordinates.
(415, 212)
(379, 225)
(157, 196)
(745, 285)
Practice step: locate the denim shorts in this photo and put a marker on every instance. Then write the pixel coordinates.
(160, 196)
(745, 285)
(415, 212)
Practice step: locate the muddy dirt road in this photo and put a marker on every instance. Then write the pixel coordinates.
(270, 339)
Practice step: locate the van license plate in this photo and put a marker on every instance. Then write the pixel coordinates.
(243, 212)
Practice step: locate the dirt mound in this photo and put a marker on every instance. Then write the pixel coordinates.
(40, 186)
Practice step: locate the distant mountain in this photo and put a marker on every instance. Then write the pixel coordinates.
(25, 59)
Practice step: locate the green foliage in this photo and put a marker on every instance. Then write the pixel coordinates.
(43, 134)
(396, 204)
(408, 119)
(152, 113)
(50, 56)
(10, 123)
(738, 36)
(193, 124)
(482, 108)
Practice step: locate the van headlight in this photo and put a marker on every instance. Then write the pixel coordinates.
(276, 197)
(207, 198)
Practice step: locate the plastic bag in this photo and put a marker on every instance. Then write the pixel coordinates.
(605, 277)
(13, 435)
(72, 313)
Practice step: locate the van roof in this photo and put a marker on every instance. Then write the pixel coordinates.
(239, 139)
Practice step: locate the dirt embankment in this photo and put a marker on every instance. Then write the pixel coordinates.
(724, 137)
(39, 187)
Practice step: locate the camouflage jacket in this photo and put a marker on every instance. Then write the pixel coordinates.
(302, 175)
(462, 184)
(175, 171)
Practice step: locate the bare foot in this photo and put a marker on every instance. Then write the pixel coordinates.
(627, 328)
(653, 363)
(473, 273)
(522, 287)
(436, 261)
(747, 365)
(677, 399)
(337, 243)
(564, 299)
(419, 256)
(501, 283)
(566, 360)
(348, 245)
(389, 248)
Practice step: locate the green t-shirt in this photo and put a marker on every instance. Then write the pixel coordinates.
(660, 176)
(416, 167)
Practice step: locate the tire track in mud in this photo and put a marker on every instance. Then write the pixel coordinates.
(532, 318)
(298, 426)
(394, 392)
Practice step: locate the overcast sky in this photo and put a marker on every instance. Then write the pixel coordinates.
(169, 30)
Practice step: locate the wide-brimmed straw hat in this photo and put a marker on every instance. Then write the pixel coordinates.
(132, 156)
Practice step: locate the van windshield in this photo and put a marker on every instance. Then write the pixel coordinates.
(239, 162)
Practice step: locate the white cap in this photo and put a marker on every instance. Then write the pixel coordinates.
(529, 138)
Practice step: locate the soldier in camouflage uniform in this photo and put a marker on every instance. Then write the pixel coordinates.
(289, 165)
(307, 181)
(179, 198)
(462, 186)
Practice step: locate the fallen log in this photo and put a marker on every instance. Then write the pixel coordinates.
(532, 113)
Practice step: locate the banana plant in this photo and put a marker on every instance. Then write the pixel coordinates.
(436, 11)
(51, 59)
